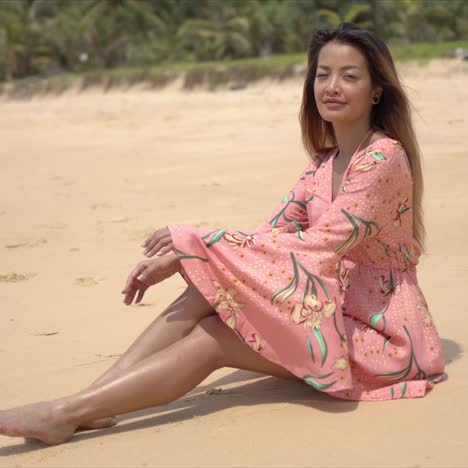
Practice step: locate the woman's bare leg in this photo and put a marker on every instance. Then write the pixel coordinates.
(174, 323)
(155, 380)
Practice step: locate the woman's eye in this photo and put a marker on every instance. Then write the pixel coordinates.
(322, 75)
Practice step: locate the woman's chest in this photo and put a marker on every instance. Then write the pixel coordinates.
(318, 189)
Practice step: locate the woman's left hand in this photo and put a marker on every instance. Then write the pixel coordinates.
(159, 243)
(148, 273)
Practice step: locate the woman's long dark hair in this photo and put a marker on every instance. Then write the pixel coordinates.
(392, 115)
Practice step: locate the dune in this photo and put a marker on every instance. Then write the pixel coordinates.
(87, 176)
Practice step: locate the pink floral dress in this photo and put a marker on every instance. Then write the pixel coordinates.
(328, 289)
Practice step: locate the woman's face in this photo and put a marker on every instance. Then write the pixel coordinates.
(342, 75)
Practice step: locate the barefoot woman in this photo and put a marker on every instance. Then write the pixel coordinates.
(324, 292)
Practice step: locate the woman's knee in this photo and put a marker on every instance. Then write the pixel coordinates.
(230, 351)
(214, 334)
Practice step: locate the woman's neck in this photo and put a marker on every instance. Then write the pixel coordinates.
(349, 138)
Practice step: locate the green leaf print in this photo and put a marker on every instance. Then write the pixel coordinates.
(375, 319)
(296, 225)
(342, 338)
(401, 374)
(434, 377)
(385, 342)
(184, 256)
(288, 199)
(378, 156)
(313, 278)
(385, 248)
(348, 243)
(311, 349)
(284, 293)
(322, 344)
(216, 237)
(318, 385)
(403, 386)
(304, 294)
(406, 255)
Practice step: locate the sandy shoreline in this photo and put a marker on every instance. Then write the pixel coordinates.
(86, 176)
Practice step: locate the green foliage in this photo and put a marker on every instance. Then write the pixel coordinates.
(50, 36)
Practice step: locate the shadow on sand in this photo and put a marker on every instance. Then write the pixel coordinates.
(200, 402)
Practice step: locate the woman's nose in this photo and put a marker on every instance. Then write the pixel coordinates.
(332, 86)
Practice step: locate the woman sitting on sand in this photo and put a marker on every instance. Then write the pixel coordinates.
(325, 292)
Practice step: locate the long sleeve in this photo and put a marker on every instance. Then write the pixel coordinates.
(286, 284)
(291, 214)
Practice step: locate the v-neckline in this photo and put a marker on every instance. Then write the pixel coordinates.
(331, 160)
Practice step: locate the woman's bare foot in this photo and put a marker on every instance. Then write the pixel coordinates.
(100, 423)
(43, 421)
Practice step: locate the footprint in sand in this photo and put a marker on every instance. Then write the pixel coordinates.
(55, 226)
(116, 220)
(212, 184)
(98, 206)
(86, 281)
(33, 243)
(140, 234)
(2, 212)
(16, 277)
(62, 179)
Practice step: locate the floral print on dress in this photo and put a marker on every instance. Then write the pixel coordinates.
(326, 288)
(225, 304)
(312, 310)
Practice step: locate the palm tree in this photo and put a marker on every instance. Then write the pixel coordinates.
(21, 47)
(111, 24)
(349, 12)
(222, 33)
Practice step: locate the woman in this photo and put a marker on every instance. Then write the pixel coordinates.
(324, 292)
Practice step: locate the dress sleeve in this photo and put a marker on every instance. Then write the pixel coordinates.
(291, 214)
(296, 276)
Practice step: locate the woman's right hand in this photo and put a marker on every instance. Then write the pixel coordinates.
(160, 242)
(148, 273)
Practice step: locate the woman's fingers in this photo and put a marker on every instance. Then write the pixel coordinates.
(149, 243)
(133, 276)
(158, 235)
(140, 295)
(155, 244)
(166, 249)
(162, 247)
(129, 296)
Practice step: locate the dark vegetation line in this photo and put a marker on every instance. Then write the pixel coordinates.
(47, 45)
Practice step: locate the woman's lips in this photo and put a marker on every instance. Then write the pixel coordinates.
(334, 105)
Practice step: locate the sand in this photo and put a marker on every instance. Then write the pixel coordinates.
(85, 177)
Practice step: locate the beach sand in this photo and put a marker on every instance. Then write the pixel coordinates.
(86, 177)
